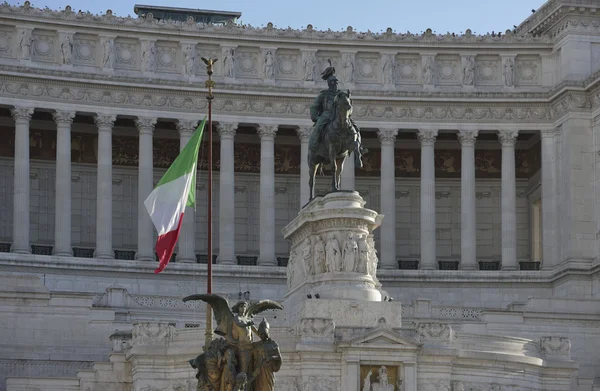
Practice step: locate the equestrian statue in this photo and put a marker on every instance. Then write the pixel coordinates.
(334, 135)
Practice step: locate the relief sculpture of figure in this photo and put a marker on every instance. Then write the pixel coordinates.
(290, 268)
(189, 58)
(228, 63)
(66, 50)
(348, 69)
(335, 135)
(269, 66)
(383, 383)
(350, 253)
(333, 257)
(363, 255)
(307, 257)
(267, 359)
(25, 39)
(428, 72)
(309, 67)
(373, 261)
(508, 72)
(107, 52)
(236, 326)
(468, 71)
(388, 70)
(319, 256)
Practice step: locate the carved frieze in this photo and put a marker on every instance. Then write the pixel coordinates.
(152, 333)
(555, 347)
(435, 333)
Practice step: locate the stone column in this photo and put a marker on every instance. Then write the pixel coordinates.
(468, 236)
(428, 243)
(227, 195)
(187, 236)
(21, 245)
(549, 200)
(508, 139)
(145, 250)
(267, 194)
(104, 189)
(62, 221)
(304, 135)
(348, 181)
(388, 199)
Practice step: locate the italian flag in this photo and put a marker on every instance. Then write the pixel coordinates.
(176, 190)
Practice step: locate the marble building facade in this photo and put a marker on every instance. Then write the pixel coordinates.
(483, 160)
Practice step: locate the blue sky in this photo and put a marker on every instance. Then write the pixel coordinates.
(415, 16)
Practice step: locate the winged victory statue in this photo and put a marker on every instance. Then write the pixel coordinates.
(221, 366)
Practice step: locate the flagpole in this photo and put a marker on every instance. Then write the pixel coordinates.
(209, 97)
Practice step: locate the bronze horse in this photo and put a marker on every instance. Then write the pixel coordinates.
(337, 141)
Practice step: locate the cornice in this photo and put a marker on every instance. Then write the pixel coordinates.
(553, 12)
(94, 98)
(190, 28)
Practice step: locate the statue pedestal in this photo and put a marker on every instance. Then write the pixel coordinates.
(333, 255)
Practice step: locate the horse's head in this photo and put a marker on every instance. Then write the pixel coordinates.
(343, 103)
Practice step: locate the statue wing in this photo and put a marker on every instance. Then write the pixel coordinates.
(220, 307)
(263, 305)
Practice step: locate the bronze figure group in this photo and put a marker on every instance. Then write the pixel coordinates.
(236, 362)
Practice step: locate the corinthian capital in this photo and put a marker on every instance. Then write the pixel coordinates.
(304, 133)
(227, 129)
(508, 138)
(387, 136)
(427, 136)
(467, 137)
(266, 132)
(64, 117)
(186, 128)
(105, 121)
(145, 125)
(22, 113)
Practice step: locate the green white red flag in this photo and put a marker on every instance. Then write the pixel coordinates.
(176, 190)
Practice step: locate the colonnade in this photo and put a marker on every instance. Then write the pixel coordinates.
(267, 132)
